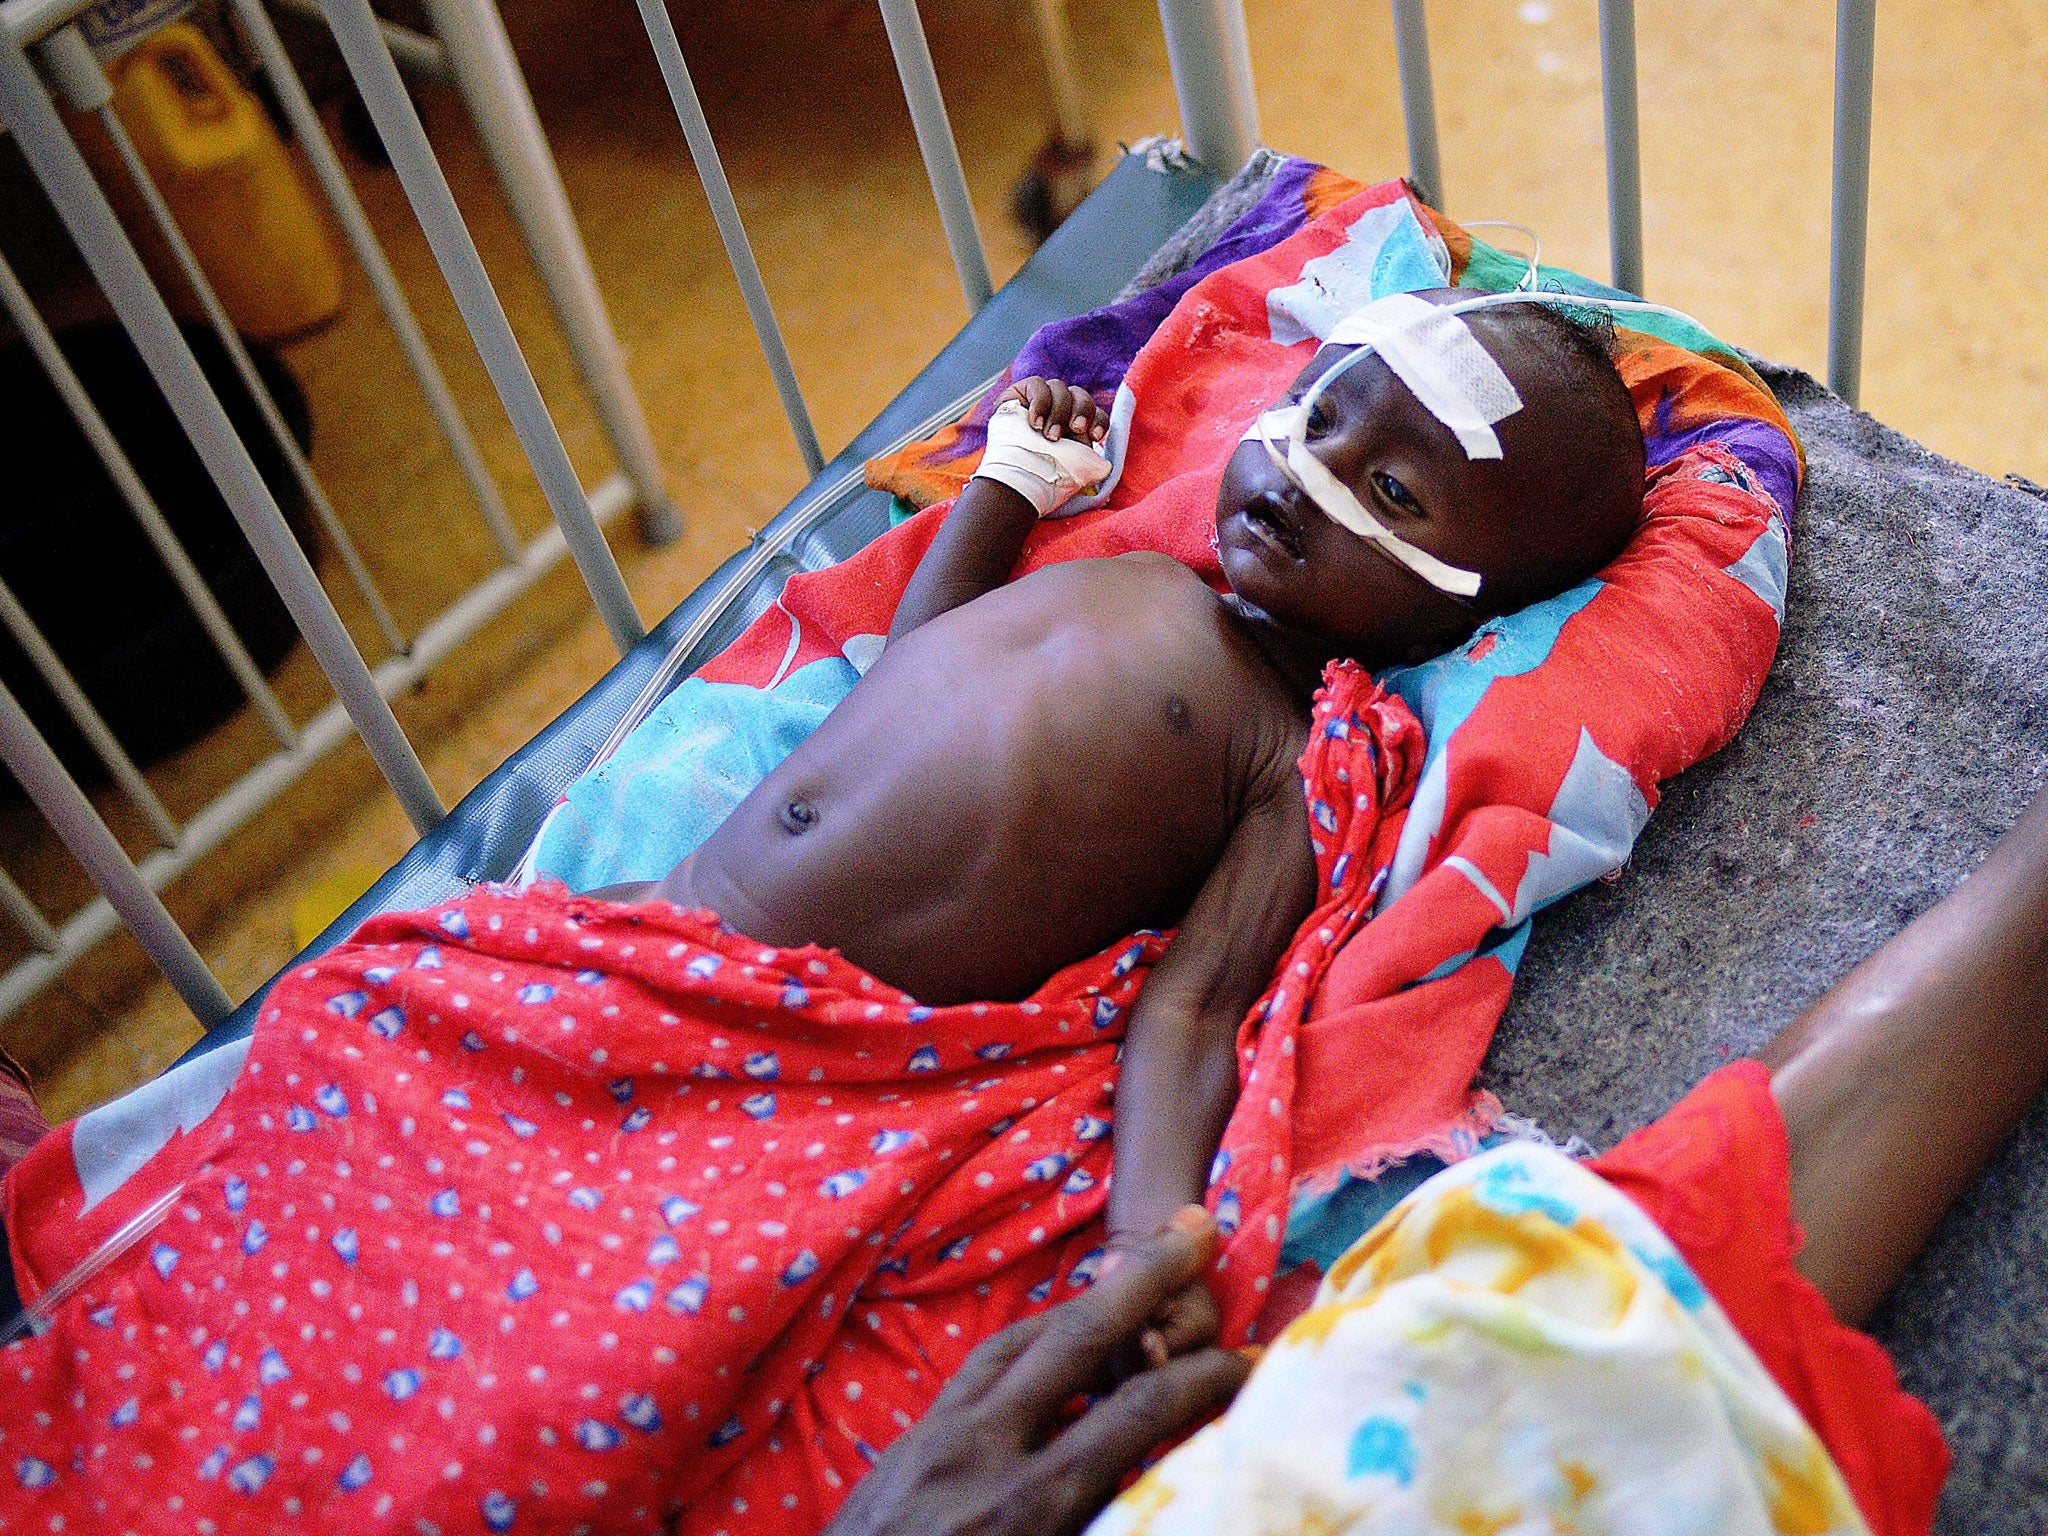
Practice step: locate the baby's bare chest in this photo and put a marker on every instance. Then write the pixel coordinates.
(1103, 672)
(1077, 745)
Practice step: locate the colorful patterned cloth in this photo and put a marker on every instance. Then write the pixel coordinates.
(1517, 1347)
(1549, 731)
(433, 1248)
(1715, 1174)
(1714, 1178)
(536, 1212)
(21, 1119)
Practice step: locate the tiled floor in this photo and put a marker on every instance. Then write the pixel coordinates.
(1736, 102)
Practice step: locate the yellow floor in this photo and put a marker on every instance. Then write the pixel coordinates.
(1736, 103)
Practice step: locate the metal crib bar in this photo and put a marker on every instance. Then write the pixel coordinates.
(27, 111)
(30, 21)
(26, 915)
(739, 251)
(1855, 57)
(252, 381)
(1056, 42)
(936, 143)
(1210, 53)
(355, 224)
(486, 72)
(59, 798)
(415, 52)
(91, 724)
(1624, 148)
(398, 124)
(245, 799)
(15, 300)
(1418, 99)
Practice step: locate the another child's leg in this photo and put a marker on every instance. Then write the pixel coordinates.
(1899, 1084)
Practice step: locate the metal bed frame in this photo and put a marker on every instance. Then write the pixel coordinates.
(1207, 46)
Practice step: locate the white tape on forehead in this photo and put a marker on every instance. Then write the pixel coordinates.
(1288, 425)
(1433, 352)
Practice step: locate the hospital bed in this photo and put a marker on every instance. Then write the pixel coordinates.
(1902, 728)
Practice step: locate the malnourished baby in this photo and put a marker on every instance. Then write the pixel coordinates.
(1034, 769)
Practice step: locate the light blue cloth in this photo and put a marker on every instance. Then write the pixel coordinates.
(680, 773)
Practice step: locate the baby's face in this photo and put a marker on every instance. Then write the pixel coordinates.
(1280, 552)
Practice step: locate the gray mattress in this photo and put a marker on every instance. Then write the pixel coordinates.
(1902, 729)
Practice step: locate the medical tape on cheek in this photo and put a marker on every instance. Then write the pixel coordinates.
(1342, 507)
(1345, 509)
(1434, 353)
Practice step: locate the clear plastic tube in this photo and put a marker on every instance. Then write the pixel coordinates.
(36, 1316)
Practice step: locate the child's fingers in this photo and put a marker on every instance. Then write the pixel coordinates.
(1086, 415)
(1060, 409)
(1093, 424)
(1185, 1321)
(1037, 398)
(1188, 1319)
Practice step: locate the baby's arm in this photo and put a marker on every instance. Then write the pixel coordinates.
(978, 544)
(1178, 1081)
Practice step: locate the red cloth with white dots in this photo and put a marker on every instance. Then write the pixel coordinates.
(536, 1212)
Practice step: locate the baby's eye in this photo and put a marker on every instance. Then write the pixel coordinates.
(1322, 418)
(1395, 491)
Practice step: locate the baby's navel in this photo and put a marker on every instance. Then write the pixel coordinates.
(798, 816)
(1179, 717)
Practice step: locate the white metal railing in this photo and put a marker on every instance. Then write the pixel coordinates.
(1849, 223)
(362, 693)
(739, 250)
(1855, 48)
(1206, 44)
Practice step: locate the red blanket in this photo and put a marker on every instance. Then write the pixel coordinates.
(536, 1212)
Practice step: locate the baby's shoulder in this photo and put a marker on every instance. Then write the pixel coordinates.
(1153, 557)
(1163, 573)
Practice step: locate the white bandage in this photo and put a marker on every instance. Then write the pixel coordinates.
(1045, 473)
(1286, 425)
(1433, 351)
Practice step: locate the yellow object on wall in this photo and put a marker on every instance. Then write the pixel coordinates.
(250, 220)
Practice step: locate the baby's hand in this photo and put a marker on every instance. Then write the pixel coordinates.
(1187, 1319)
(1043, 441)
(1059, 410)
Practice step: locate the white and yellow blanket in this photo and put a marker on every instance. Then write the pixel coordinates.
(1515, 1349)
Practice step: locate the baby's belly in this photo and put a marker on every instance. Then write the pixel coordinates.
(963, 848)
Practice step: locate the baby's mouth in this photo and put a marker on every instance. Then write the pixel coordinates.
(1270, 518)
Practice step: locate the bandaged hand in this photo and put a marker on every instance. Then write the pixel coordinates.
(1042, 443)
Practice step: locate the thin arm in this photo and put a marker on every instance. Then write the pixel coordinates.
(973, 552)
(1178, 1081)
(1900, 1083)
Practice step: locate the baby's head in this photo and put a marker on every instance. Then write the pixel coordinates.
(1558, 504)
